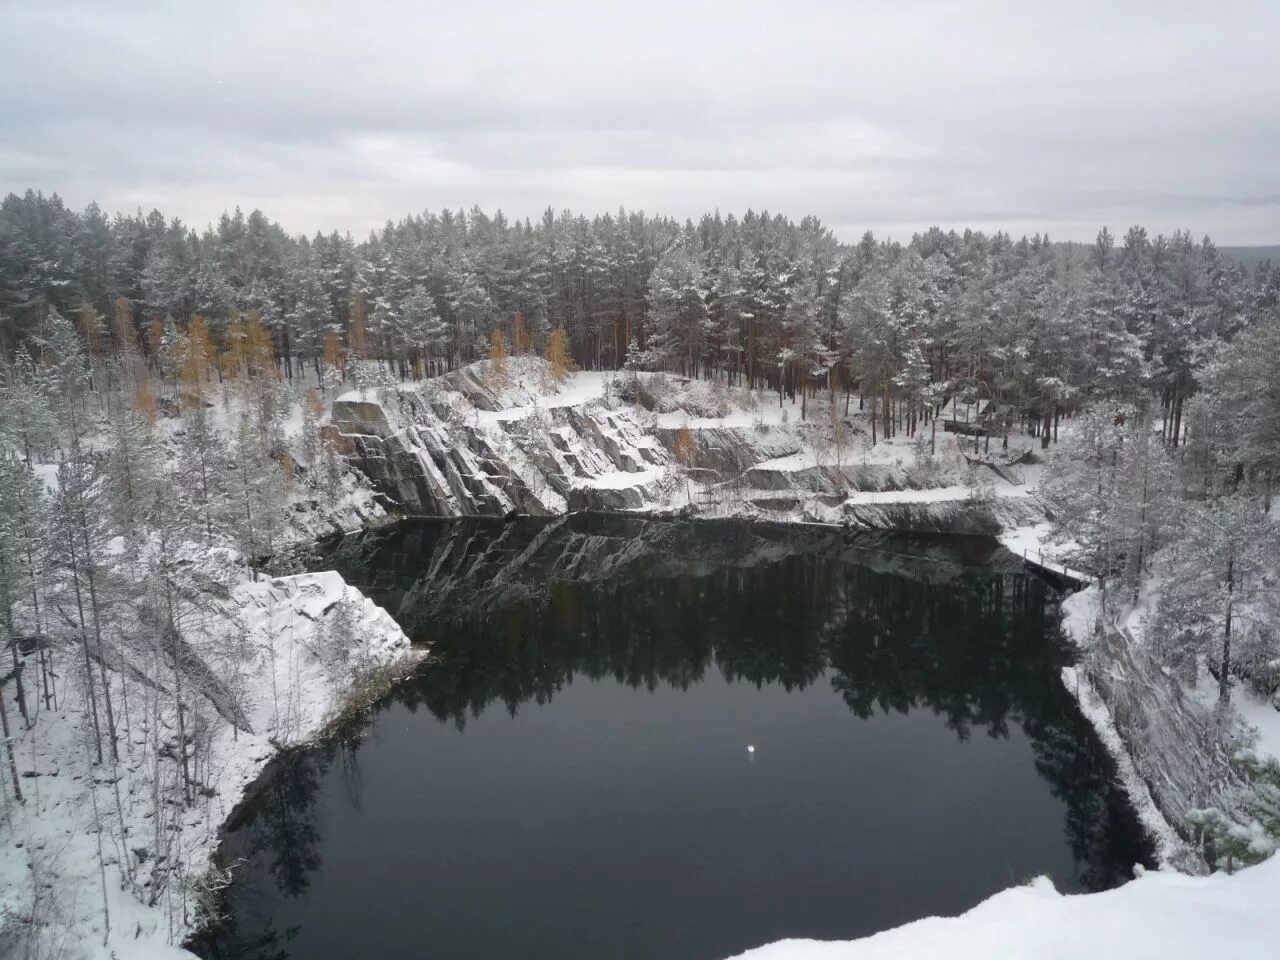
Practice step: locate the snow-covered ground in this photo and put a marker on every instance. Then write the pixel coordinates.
(302, 641)
(1161, 915)
(265, 666)
(1032, 542)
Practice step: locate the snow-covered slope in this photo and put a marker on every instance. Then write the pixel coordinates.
(302, 645)
(1162, 916)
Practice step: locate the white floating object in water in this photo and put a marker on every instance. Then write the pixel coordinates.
(750, 748)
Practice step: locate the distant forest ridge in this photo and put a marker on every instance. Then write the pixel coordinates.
(1250, 257)
(760, 298)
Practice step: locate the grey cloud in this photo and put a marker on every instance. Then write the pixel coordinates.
(988, 115)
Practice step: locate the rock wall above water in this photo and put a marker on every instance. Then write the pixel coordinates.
(435, 460)
(460, 448)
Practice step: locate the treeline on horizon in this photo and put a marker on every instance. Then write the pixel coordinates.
(761, 300)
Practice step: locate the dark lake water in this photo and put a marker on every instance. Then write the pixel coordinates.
(572, 778)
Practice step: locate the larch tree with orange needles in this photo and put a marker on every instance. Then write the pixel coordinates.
(259, 351)
(196, 351)
(496, 373)
(232, 362)
(558, 355)
(144, 401)
(685, 449)
(155, 339)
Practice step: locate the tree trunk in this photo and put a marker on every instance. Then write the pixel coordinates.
(1224, 679)
(1177, 418)
(84, 643)
(20, 690)
(8, 744)
(102, 663)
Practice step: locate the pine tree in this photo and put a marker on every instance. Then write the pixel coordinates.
(27, 419)
(200, 464)
(1218, 562)
(312, 315)
(1242, 425)
(144, 402)
(419, 334)
(1248, 831)
(678, 310)
(257, 510)
(93, 332)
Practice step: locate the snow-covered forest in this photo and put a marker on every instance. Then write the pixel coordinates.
(759, 298)
(168, 432)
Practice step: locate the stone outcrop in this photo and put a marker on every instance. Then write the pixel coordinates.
(429, 461)
(461, 449)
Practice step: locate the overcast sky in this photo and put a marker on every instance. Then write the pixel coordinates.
(888, 116)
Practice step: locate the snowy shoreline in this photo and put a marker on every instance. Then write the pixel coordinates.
(1171, 850)
(313, 637)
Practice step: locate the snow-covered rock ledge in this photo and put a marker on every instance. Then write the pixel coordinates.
(460, 446)
(304, 646)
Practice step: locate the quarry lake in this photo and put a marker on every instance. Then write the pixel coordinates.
(645, 739)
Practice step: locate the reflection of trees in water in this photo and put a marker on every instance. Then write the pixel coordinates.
(509, 627)
(286, 823)
(947, 629)
(967, 650)
(282, 822)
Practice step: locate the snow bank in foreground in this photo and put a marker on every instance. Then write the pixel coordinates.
(306, 640)
(1162, 915)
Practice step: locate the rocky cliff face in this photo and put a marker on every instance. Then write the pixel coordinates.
(437, 461)
(459, 448)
